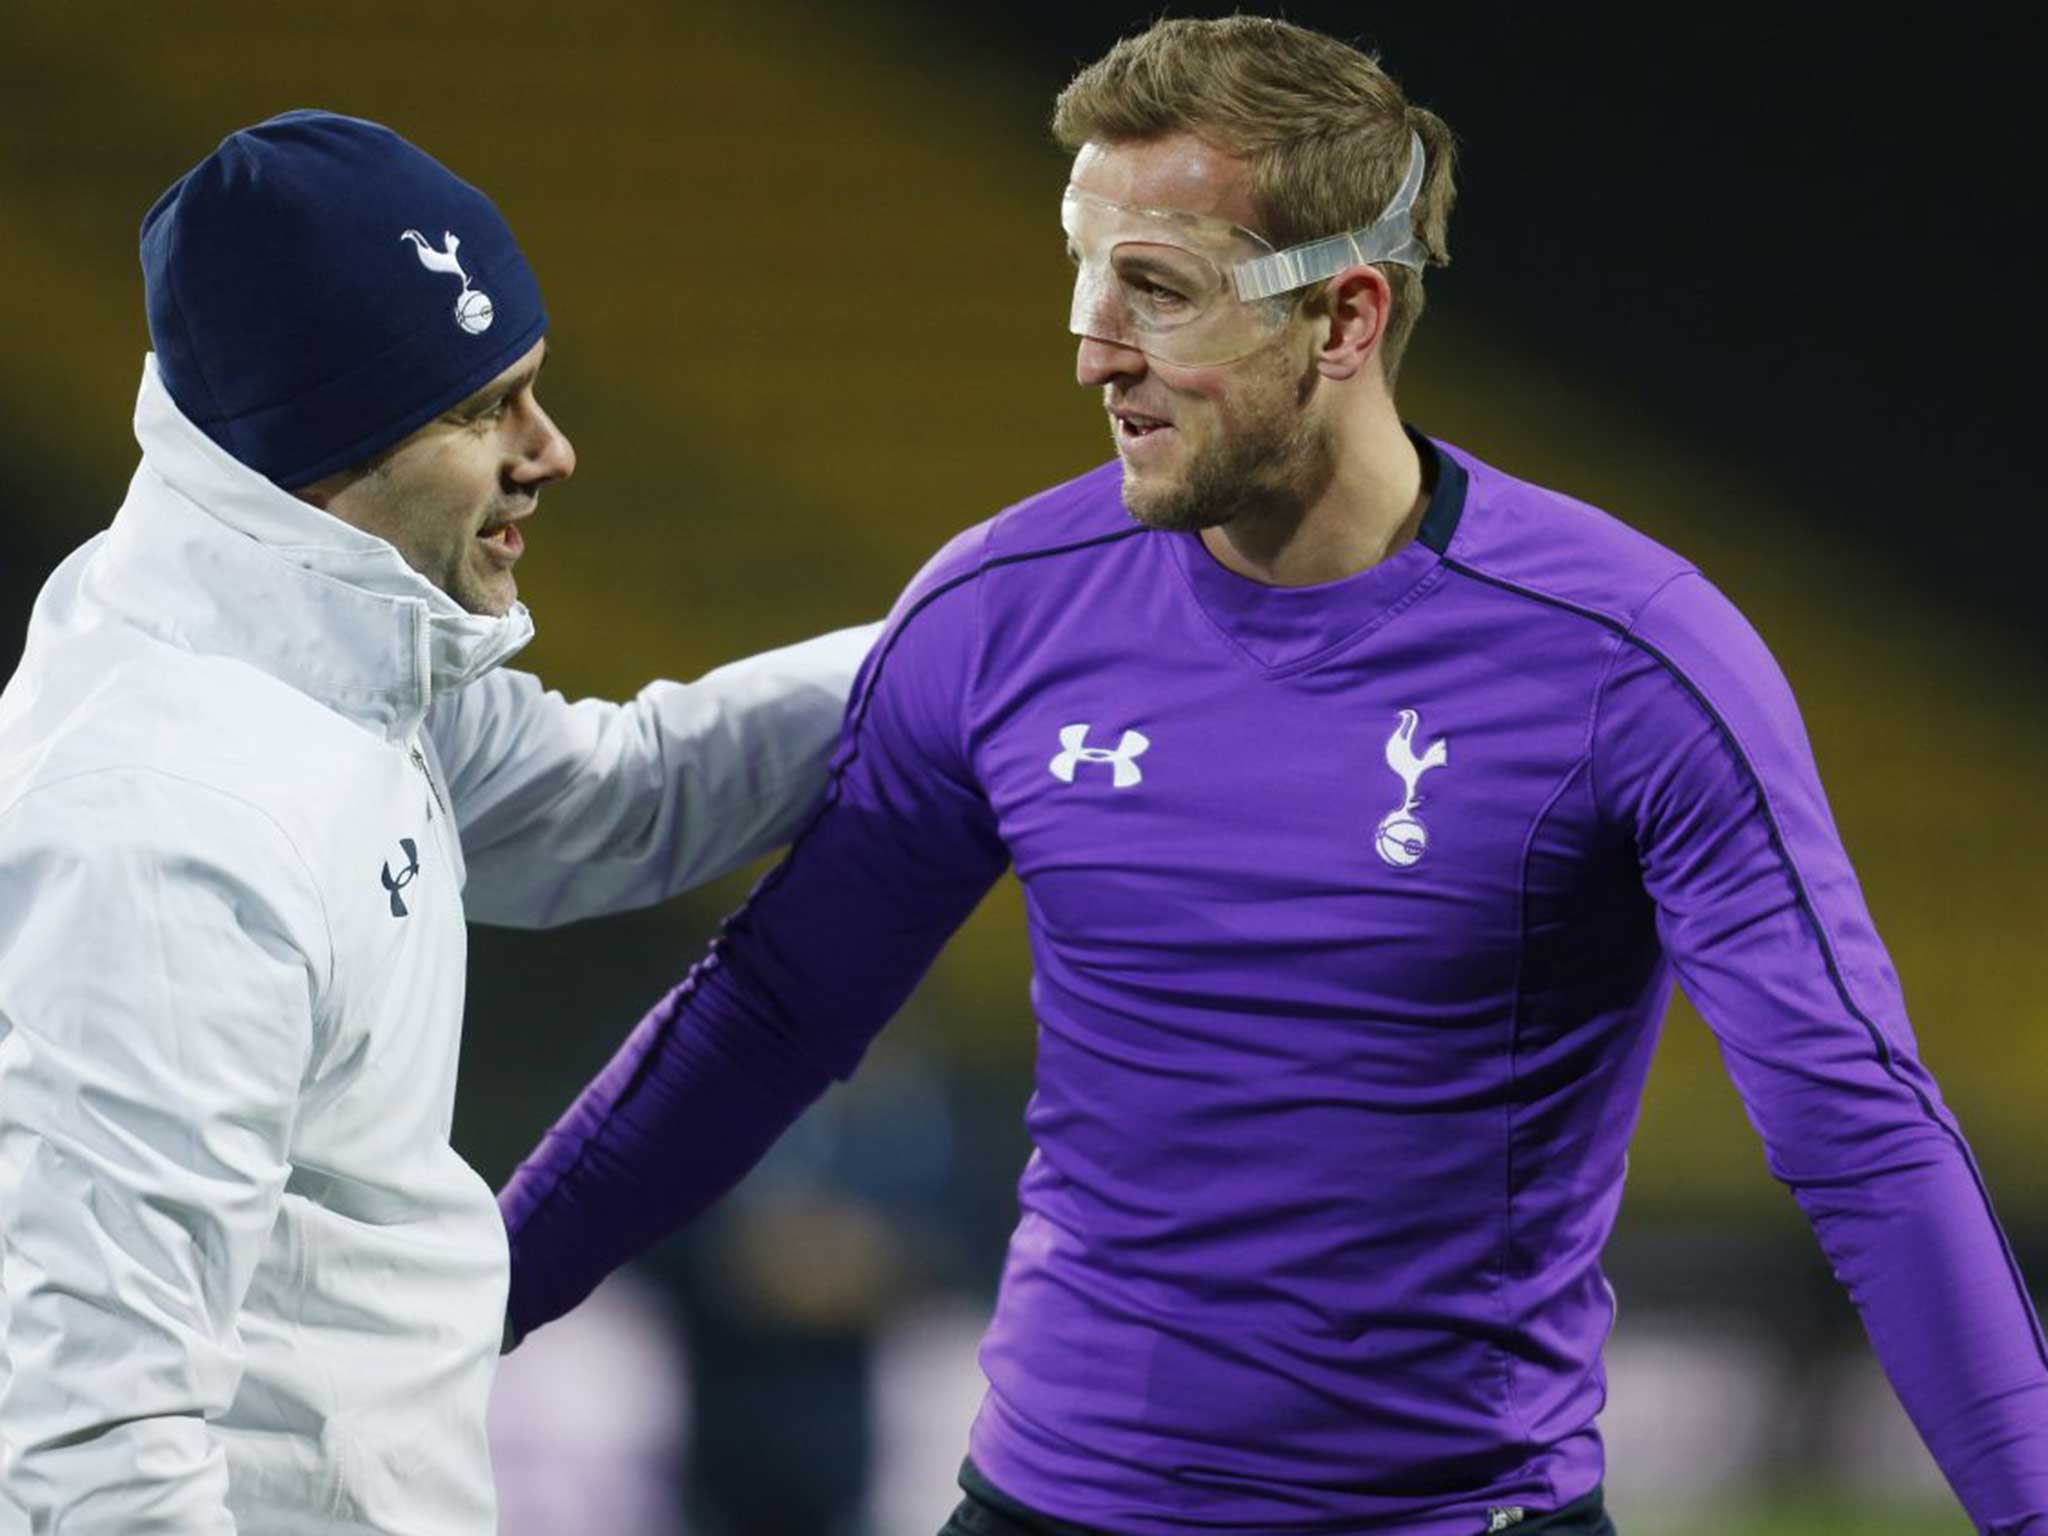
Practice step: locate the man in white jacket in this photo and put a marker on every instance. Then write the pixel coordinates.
(257, 765)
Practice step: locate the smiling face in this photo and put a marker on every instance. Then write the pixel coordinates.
(1202, 446)
(450, 496)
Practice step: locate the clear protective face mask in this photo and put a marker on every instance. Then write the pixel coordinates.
(1197, 291)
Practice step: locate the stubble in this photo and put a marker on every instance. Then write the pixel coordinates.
(1268, 465)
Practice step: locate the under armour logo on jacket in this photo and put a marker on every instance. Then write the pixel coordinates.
(396, 883)
(473, 308)
(1402, 836)
(1075, 751)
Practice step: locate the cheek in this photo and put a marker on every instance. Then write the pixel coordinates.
(1197, 398)
(1233, 393)
(462, 497)
(1188, 384)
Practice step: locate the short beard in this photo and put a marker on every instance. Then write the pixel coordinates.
(1270, 467)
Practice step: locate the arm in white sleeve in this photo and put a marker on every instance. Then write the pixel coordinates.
(160, 948)
(573, 810)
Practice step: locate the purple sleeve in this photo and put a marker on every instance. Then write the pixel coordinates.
(800, 980)
(1700, 752)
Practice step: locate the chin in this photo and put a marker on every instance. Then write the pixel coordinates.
(1168, 506)
(497, 604)
(487, 599)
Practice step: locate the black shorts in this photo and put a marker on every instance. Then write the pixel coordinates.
(988, 1511)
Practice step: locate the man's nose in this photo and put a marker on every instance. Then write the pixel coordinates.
(1098, 362)
(550, 455)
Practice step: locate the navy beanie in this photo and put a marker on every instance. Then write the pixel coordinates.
(318, 288)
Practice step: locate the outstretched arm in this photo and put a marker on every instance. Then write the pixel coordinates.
(1701, 754)
(572, 810)
(799, 982)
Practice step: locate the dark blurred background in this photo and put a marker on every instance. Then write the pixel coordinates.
(1760, 281)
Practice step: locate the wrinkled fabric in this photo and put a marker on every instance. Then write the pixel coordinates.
(1354, 913)
(248, 764)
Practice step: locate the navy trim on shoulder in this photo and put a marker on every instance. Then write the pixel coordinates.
(860, 717)
(714, 955)
(951, 584)
(1113, 536)
(1446, 501)
(1886, 1061)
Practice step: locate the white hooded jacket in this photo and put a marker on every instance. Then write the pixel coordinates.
(253, 772)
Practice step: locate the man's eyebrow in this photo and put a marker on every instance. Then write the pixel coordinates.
(1153, 266)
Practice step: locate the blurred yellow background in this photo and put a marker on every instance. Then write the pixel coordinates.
(805, 295)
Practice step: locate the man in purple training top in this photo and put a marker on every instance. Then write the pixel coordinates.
(1366, 802)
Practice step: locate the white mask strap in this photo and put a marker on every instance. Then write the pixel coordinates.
(1390, 237)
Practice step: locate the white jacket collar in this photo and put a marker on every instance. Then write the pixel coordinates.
(219, 560)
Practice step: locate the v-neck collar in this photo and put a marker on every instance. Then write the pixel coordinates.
(1283, 629)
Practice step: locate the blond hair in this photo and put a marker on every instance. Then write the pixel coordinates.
(1323, 129)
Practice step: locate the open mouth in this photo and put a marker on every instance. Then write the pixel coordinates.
(1132, 426)
(504, 538)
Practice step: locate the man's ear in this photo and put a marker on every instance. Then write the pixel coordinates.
(1351, 315)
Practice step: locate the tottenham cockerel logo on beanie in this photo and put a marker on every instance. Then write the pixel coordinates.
(298, 282)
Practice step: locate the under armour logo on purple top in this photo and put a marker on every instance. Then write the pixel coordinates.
(1073, 741)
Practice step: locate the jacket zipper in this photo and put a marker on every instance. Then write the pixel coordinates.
(419, 761)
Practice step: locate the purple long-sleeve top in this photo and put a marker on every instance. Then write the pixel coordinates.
(1354, 910)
